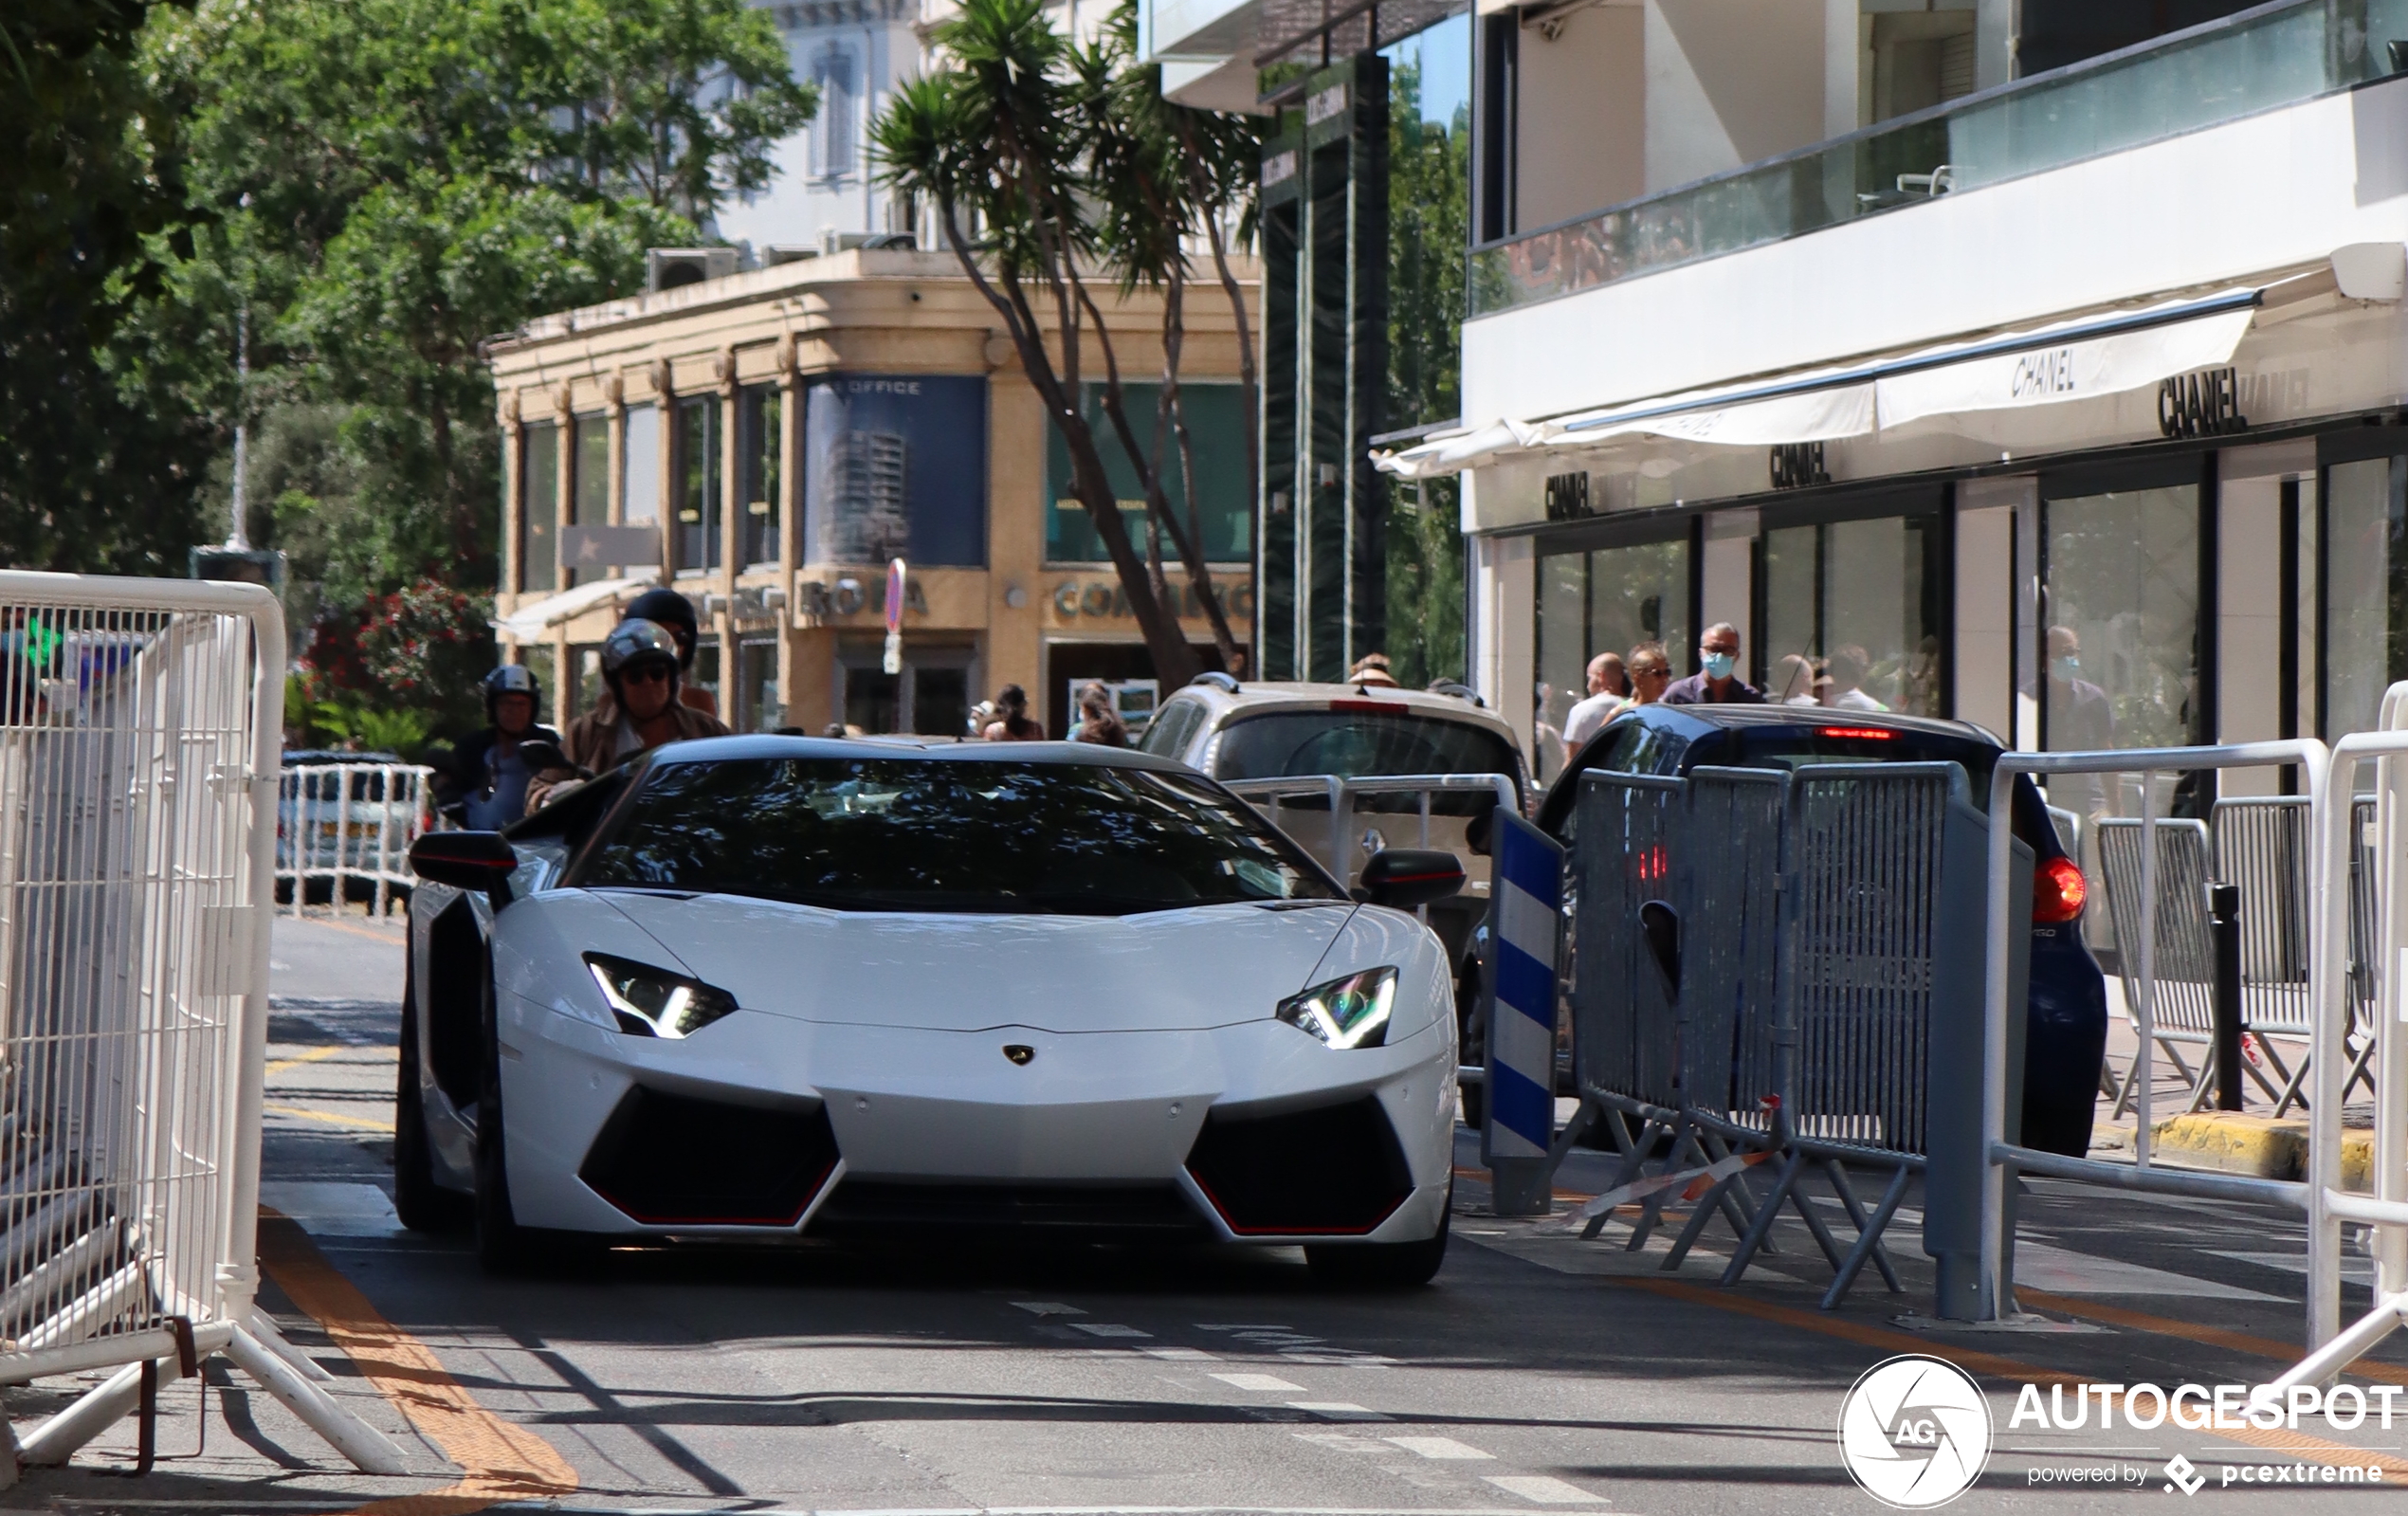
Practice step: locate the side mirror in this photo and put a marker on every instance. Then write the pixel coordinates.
(465, 860)
(1661, 926)
(1406, 877)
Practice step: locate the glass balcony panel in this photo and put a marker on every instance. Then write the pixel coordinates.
(2252, 63)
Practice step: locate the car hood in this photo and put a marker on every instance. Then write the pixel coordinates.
(1176, 970)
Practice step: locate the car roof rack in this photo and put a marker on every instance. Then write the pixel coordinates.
(1459, 691)
(1215, 678)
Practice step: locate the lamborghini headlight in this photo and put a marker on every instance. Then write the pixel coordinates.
(1348, 1013)
(652, 1002)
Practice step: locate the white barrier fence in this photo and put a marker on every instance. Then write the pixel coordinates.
(139, 723)
(349, 825)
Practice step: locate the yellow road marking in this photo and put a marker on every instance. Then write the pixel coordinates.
(2212, 1336)
(397, 937)
(2299, 1445)
(364, 1123)
(314, 1056)
(499, 1460)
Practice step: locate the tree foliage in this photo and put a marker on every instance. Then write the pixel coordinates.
(1049, 167)
(1428, 169)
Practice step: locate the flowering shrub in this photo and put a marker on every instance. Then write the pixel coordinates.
(421, 650)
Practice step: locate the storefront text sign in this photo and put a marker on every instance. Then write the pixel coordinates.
(2206, 404)
(1105, 599)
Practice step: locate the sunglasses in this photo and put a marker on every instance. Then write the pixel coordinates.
(1651, 673)
(647, 674)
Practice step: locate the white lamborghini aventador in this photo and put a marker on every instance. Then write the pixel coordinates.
(762, 987)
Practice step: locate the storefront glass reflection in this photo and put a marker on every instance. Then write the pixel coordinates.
(1852, 616)
(2365, 620)
(2121, 599)
(1608, 601)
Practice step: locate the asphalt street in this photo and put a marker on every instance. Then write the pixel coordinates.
(1541, 1371)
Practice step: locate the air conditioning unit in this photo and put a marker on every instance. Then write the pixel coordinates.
(676, 268)
(786, 252)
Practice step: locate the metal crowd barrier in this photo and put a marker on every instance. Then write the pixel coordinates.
(1768, 969)
(347, 823)
(2343, 844)
(138, 730)
(2142, 921)
(1295, 803)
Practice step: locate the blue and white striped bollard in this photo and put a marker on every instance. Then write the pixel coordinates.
(1525, 899)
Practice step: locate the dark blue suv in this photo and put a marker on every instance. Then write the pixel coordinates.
(2066, 1037)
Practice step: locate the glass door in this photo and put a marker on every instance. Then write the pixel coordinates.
(1853, 615)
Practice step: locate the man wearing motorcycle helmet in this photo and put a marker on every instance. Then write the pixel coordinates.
(667, 608)
(486, 780)
(639, 711)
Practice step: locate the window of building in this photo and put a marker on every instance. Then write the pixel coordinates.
(1853, 615)
(2364, 535)
(2119, 631)
(590, 490)
(697, 492)
(761, 413)
(834, 132)
(756, 672)
(640, 466)
(539, 507)
(1216, 444)
(1610, 601)
(895, 465)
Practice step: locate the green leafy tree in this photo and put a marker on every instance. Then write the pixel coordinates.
(99, 467)
(380, 186)
(1047, 167)
(1428, 168)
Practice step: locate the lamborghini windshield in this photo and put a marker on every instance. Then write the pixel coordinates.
(899, 834)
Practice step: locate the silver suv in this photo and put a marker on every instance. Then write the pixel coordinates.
(1349, 769)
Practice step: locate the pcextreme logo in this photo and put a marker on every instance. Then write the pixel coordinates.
(1914, 1431)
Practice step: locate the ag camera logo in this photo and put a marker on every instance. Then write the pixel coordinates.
(1914, 1431)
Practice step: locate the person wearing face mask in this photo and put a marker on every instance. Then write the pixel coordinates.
(1717, 681)
(2080, 718)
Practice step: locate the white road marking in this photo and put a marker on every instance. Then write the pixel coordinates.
(1184, 1354)
(1338, 1410)
(1439, 1448)
(1257, 1382)
(1108, 1329)
(1241, 1326)
(1541, 1490)
(1340, 1442)
(1048, 1307)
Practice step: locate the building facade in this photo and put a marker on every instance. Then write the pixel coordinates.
(769, 442)
(2030, 364)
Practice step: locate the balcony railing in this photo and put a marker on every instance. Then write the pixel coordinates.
(2260, 59)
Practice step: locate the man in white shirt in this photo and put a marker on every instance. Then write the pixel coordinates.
(1609, 691)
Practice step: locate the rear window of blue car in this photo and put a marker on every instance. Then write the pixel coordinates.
(952, 836)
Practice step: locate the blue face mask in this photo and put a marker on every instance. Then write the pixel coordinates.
(2065, 667)
(1719, 665)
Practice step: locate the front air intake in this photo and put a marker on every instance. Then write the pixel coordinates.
(674, 1161)
(1332, 1171)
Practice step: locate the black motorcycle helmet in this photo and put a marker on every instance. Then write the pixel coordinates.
(513, 679)
(667, 608)
(632, 643)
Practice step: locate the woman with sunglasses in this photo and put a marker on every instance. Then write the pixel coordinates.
(638, 712)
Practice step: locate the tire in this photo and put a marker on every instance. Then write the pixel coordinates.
(1383, 1265)
(504, 1247)
(422, 1204)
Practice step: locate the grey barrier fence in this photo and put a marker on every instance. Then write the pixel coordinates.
(1777, 969)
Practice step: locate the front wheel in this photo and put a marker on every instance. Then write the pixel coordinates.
(1471, 1043)
(1383, 1265)
(505, 1247)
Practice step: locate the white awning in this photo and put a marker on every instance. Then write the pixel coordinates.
(533, 620)
(2049, 365)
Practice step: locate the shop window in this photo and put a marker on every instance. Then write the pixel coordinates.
(588, 692)
(539, 507)
(698, 484)
(640, 466)
(895, 465)
(1611, 600)
(589, 487)
(761, 413)
(705, 675)
(2119, 602)
(1853, 615)
(757, 667)
(2366, 591)
(1215, 416)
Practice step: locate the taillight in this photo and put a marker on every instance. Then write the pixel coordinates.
(2058, 891)
(1652, 863)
